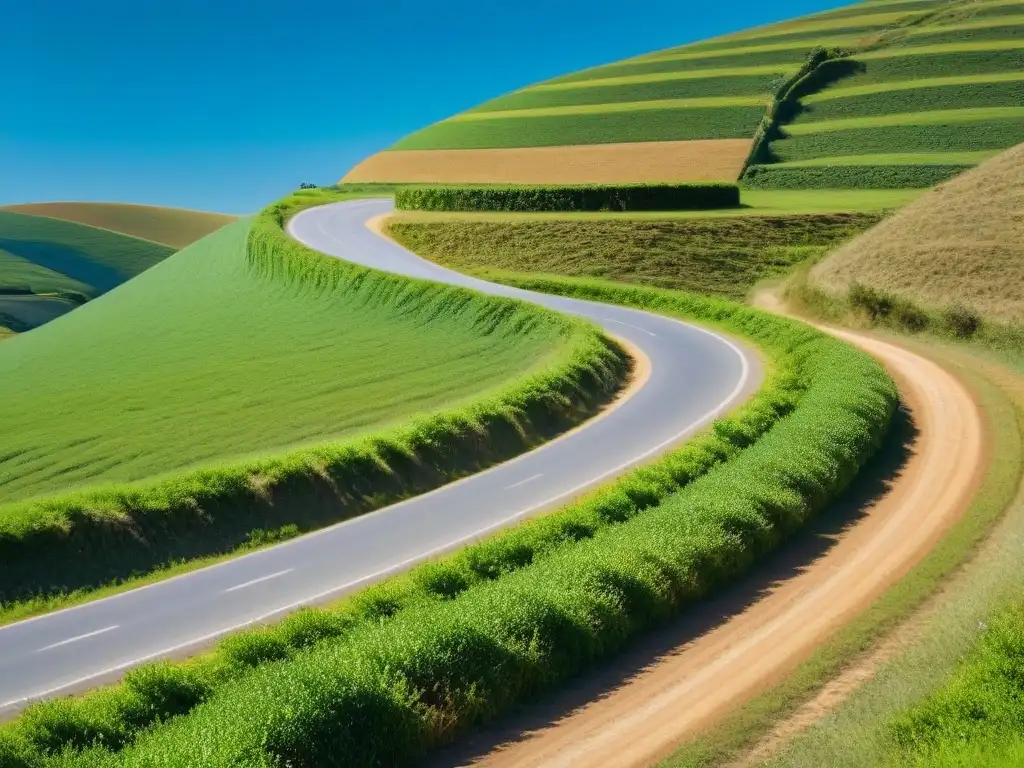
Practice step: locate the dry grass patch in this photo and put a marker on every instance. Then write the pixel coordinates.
(963, 242)
(176, 227)
(719, 160)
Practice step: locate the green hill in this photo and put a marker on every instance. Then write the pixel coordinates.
(175, 227)
(202, 358)
(913, 92)
(48, 266)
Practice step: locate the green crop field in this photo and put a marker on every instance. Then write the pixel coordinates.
(187, 345)
(921, 65)
(48, 256)
(175, 227)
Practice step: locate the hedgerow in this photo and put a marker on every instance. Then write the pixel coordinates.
(849, 176)
(409, 664)
(90, 538)
(592, 197)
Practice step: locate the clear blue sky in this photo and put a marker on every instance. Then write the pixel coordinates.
(228, 104)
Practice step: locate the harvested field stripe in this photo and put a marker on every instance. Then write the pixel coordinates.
(936, 117)
(618, 106)
(904, 158)
(920, 50)
(653, 77)
(991, 23)
(912, 85)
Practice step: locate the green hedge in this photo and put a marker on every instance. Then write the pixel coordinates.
(596, 197)
(82, 540)
(849, 176)
(409, 664)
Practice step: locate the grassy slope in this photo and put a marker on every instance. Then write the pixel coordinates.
(176, 227)
(54, 255)
(963, 242)
(721, 256)
(301, 365)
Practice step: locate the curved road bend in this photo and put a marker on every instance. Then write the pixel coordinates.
(695, 376)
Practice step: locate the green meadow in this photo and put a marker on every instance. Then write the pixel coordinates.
(232, 364)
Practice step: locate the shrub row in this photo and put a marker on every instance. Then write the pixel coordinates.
(978, 716)
(461, 640)
(596, 197)
(849, 176)
(90, 538)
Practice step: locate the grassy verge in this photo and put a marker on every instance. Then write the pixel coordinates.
(737, 733)
(57, 548)
(456, 642)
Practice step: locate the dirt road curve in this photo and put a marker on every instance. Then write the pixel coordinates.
(682, 693)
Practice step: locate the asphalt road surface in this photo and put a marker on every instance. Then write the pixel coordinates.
(695, 376)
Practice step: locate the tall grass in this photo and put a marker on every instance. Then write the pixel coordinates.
(97, 536)
(412, 663)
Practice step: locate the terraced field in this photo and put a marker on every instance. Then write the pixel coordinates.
(928, 70)
(48, 266)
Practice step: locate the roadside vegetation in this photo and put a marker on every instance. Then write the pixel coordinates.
(175, 227)
(593, 197)
(361, 395)
(455, 642)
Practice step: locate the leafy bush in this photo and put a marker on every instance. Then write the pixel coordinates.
(961, 321)
(471, 636)
(849, 176)
(596, 197)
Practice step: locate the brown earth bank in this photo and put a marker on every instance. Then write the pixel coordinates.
(712, 160)
(681, 680)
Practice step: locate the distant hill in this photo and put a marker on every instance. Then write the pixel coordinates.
(962, 242)
(915, 91)
(176, 227)
(49, 266)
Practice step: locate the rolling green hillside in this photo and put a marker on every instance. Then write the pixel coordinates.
(49, 266)
(201, 358)
(175, 227)
(911, 88)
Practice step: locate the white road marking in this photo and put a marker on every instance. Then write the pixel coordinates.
(258, 581)
(628, 325)
(523, 482)
(78, 637)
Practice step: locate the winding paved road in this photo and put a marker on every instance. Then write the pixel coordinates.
(695, 376)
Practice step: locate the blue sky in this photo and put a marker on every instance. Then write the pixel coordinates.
(226, 105)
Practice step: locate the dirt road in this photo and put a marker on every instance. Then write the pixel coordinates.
(688, 687)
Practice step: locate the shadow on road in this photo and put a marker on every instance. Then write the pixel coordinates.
(790, 560)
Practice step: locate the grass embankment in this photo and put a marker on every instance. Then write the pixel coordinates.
(721, 256)
(381, 387)
(454, 643)
(48, 266)
(593, 197)
(951, 262)
(175, 227)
